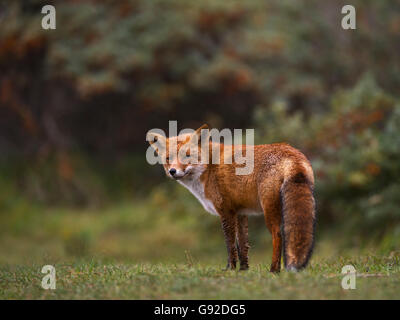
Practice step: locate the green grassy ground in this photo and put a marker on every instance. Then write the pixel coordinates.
(378, 278)
(162, 249)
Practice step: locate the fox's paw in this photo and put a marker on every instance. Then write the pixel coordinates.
(230, 266)
(275, 269)
(244, 267)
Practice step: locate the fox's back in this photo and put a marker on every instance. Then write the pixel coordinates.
(273, 163)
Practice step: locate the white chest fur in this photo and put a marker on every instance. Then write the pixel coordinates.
(195, 186)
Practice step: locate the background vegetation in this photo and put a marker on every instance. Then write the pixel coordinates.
(76, 103)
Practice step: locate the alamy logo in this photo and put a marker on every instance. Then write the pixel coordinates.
(349, 20)
(49, 280)
(49, 20)
(349, 280)
(198, 147)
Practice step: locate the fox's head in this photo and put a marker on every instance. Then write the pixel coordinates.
(181, 155)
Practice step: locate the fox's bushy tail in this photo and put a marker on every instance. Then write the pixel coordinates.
(298, 221)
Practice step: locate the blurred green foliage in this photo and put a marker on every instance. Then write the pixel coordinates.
(354, 149)
(76, 102)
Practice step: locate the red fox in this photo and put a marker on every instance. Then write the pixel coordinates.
(280, 187)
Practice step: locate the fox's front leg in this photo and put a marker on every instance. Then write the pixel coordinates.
(243, 241)
(229, 227)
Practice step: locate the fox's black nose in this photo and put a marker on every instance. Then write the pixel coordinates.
(172, 171)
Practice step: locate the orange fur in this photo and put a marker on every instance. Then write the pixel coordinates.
(280, 187)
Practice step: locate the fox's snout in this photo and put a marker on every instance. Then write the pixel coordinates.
(176, 173)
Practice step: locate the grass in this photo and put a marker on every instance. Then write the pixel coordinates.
(167, 247)
(378, 278)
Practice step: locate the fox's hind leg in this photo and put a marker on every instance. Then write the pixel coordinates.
(243, 241)
(272, 215)
(276, 249)
(229, 227)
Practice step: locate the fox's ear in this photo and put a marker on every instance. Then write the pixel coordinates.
(200, 134)
(157, 141)
(204, 126)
